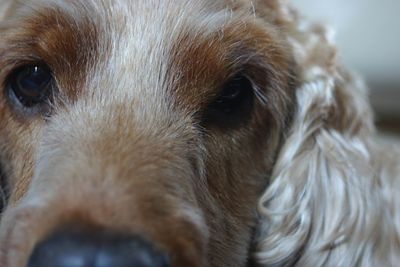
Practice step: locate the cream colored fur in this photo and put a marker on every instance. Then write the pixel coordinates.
(334, 197)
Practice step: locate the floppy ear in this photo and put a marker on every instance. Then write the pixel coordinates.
(323, 206)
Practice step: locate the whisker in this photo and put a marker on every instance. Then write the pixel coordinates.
(260, 95)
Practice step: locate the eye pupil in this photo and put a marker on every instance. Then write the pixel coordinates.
(232, 91)
(30, 84)
(33, 79)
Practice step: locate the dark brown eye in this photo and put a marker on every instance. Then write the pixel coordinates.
(30, 85)
(234, 103)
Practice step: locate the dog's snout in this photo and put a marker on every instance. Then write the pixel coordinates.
(77, 248)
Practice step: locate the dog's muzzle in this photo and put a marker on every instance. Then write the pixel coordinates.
(88, 248)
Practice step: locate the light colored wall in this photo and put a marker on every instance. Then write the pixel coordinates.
(368, 35)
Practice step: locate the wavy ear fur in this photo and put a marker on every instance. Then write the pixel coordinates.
(334, 197)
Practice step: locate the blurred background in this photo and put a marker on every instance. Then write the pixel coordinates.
(368, 36)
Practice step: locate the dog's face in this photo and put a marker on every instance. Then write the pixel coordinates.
(150, 120)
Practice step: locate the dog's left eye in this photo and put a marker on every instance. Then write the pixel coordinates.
(234, 103)
(31, 84)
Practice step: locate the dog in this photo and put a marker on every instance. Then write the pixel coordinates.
(186, 133)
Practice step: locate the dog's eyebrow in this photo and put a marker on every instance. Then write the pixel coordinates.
(208, 61)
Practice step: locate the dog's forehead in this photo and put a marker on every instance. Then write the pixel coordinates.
(147, 48)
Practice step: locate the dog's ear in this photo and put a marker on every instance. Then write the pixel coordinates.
(322, 205)
(316, 198)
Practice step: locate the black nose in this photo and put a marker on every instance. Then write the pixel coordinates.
(77, 248)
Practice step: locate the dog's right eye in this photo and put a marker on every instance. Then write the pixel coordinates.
(30, 85)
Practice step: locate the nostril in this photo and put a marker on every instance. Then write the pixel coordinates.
(96, 249)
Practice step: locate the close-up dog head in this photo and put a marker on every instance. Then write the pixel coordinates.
(185, 133)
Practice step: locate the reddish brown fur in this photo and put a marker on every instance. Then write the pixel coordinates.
(142, 175)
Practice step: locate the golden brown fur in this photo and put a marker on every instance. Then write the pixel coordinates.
(125, 146)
